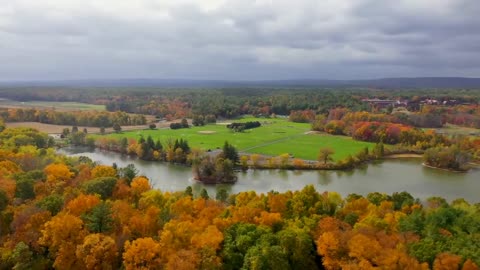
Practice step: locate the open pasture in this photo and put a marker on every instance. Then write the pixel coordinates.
(276, 136)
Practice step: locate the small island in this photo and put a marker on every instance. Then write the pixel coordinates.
(216, 168)
(449, 158)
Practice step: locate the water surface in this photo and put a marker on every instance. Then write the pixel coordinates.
(387, 176)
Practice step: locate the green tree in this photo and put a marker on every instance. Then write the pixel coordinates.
(266, 257)
(188, 191)
(66, 132)
(198, 120)
(230, 152)
(77, 138)
(102, 186)
(204, 194)
(117, 128)
(222, 195)
(22, 257)
(24, 189)
(297, 246)
(2, 125)
(184, 123)
(123, 145)
(150, 142)
(158, 145)
(3, 200)
(128, 173)
(52, 203)
(99, 220)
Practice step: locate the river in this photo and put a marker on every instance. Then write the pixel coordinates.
(387, 176)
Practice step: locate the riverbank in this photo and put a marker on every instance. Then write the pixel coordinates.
(266, 162)
(397, 156)
(387, 176)
(443, 169)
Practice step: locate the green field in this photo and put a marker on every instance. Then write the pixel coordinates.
(274, 137)
(61, 106)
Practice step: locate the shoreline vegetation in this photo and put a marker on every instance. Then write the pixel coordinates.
(286, 162)
(444, 169)
(227, 174)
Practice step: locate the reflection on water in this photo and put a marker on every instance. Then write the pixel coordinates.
(388, 177)
(324, 177)
(283, 174)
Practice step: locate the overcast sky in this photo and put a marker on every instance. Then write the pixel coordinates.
(238, 39)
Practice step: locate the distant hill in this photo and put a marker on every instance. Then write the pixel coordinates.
(393, 83)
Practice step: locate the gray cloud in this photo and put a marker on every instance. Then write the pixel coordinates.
(238, 39)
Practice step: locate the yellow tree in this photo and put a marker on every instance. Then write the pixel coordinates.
(57, 173)
(446, 261)
(277, 203)
(469, 265)
(8, 186)
(104, 171)
(61, 235)
(283, 158)
(268, 219)
(97, 251)
(255, 158)
(142, 253)
(82, 204)
(8, 167)
(298, 163)
(210, 237)
(183, 260)
(139, 185)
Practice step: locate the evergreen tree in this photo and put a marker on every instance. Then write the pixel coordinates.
(158, 145)
(188, 191)
(100, 219)
(204, 194)
(230, 152)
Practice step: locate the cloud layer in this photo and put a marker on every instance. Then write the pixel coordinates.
(238, 39)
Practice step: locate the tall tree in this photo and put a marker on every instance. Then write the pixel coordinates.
(325, 154)
(230, 152)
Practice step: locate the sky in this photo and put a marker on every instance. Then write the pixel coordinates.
(238, 39)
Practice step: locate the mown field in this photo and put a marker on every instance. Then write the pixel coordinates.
(60, 106)
(274, 137)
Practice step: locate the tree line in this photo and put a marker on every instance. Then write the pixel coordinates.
(77, 118)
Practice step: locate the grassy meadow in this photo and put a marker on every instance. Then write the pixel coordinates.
(276, 136)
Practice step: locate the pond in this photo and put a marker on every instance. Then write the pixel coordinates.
(386, 176)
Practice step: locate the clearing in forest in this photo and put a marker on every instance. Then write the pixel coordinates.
(276, 136)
